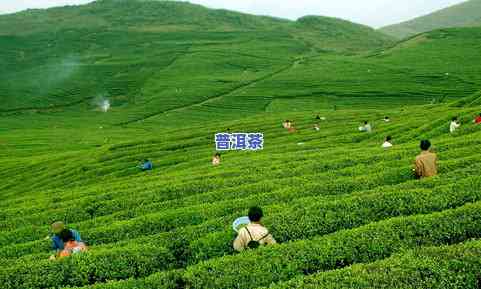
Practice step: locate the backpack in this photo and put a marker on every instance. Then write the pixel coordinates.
(254, 244)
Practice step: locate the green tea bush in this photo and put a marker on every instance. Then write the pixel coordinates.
(435, 267)
(314, 216)
(364, 244)
(88, 268)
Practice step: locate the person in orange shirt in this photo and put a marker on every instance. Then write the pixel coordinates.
(70, 245)
(426, 162)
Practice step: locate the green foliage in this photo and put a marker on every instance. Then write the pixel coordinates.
(178, 73)
(364, 244)
(151, 57)
(466, 14)
(87, 268)
(438, 267)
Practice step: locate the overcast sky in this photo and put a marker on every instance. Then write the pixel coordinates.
(375, 13)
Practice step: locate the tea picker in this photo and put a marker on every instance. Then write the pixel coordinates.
(250, 232)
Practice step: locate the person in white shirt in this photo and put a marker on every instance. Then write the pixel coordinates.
(387, 119)
(316, 127)
(366, 127)
(387, 142)
(454, 125)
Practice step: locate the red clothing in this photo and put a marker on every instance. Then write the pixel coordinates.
(72, 247)
(478, 120)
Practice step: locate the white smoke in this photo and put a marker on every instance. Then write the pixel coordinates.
(105, 105)
(102, 103)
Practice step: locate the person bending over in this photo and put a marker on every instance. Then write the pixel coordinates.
(71, 246)
(57, 242)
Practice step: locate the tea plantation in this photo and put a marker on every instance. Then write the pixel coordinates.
(345, 212)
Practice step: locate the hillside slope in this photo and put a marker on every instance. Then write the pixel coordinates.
(71, 56)
(345, 211)
(158, 70)
(442, 65)
(461, 15)
(332, 198)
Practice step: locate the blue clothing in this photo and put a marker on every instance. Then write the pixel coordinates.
(147, 166)
(58, 243)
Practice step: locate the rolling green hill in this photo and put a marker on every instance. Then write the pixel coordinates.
(55, 58)
(346, 213)
(155, 67)
(466, 14)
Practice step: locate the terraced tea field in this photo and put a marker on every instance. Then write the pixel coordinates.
(345, 212)
(337, 200)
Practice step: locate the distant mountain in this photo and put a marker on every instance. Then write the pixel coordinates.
(343, 34)
(172, 16)
(466, 14)
(121, 14)
(168, 15)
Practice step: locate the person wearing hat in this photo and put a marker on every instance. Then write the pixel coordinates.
(57, 242)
